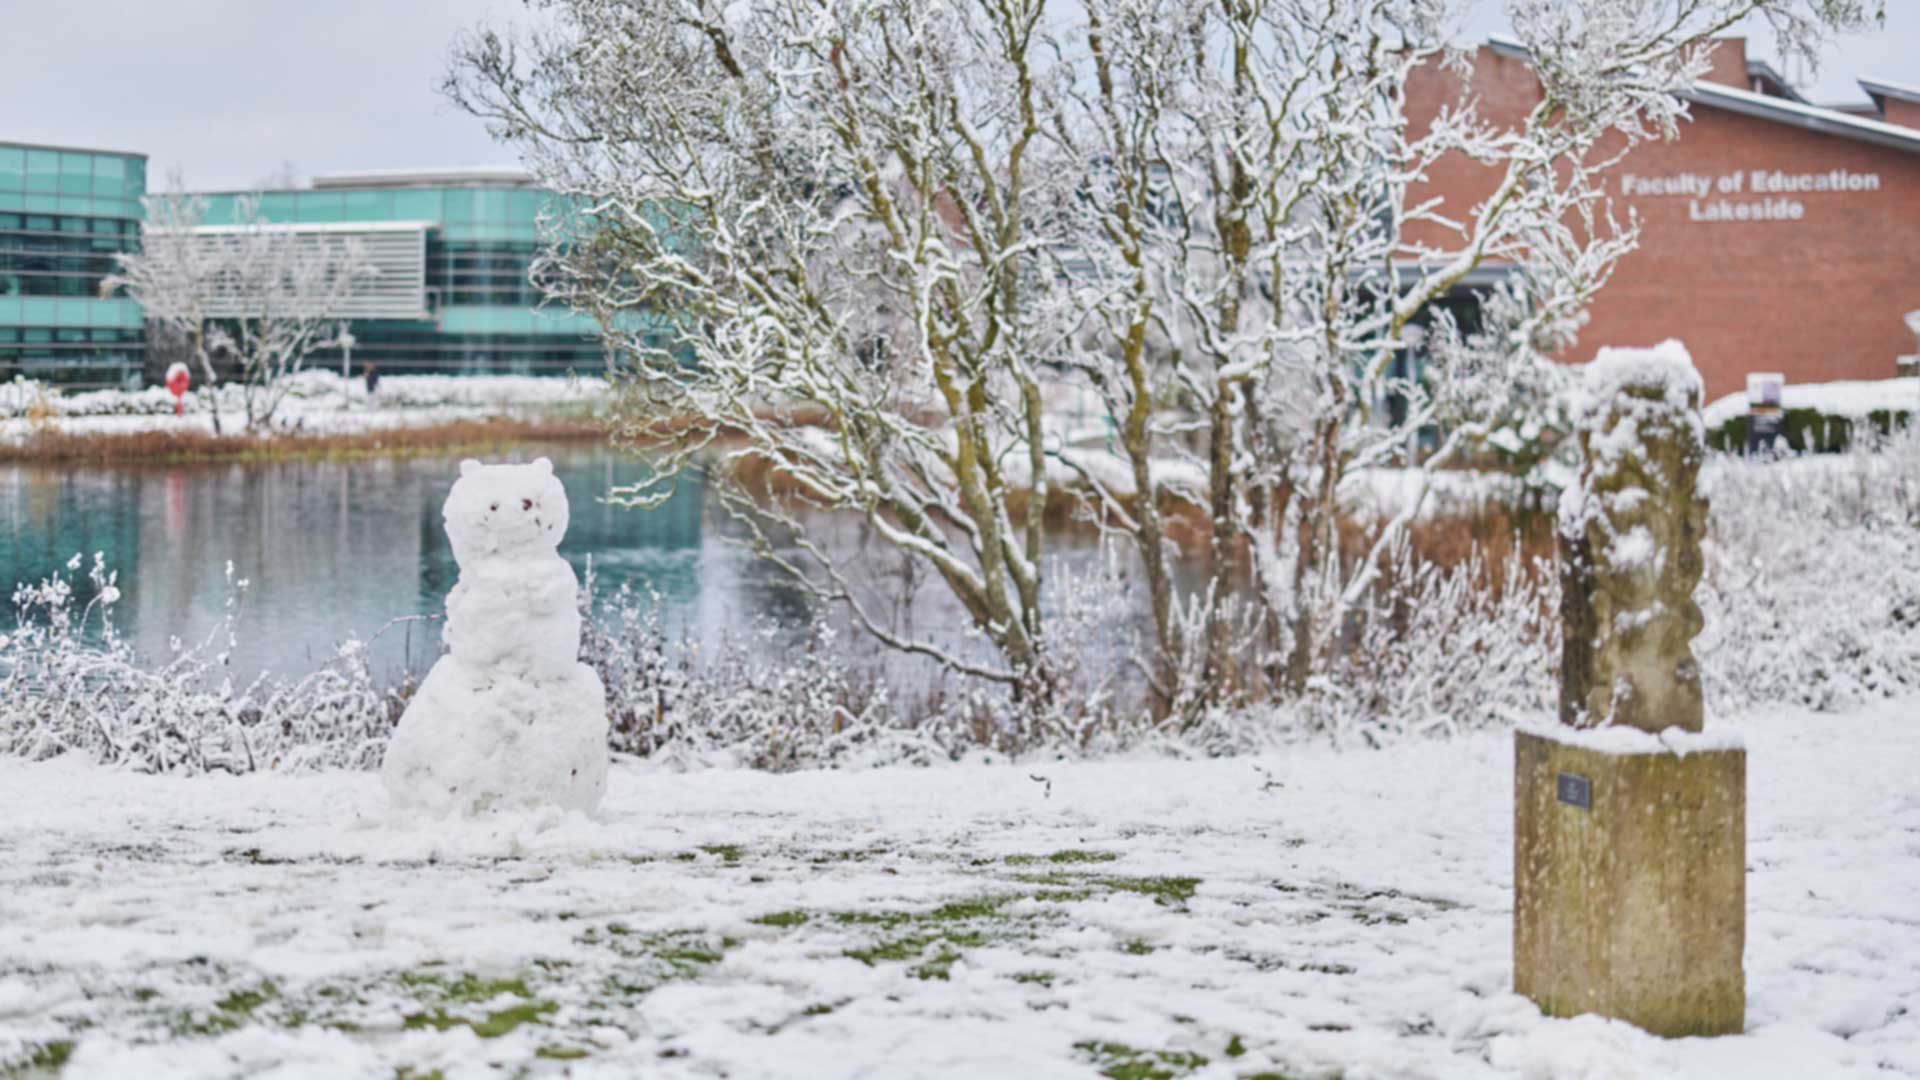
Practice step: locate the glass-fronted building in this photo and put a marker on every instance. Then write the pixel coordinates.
(478, 232)
(64, 214)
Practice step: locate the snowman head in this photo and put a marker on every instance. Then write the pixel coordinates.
(510, 511)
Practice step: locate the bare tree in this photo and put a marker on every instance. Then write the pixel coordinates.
(171, 277)
(265, 296)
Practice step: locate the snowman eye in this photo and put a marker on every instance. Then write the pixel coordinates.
(526, 504)
(495, 506)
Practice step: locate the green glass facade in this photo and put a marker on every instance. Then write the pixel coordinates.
(64, 214)
(485, 311)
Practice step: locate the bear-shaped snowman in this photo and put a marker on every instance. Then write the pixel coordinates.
(509, 718)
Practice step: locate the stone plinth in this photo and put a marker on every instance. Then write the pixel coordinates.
(1633, 906)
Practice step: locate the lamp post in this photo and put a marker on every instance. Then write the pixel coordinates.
(346, 342)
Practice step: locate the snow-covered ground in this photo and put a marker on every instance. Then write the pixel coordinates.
(318, 402)
(1308, 915)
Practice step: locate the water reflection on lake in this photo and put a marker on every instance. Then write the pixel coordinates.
(336, 548)
(332, 548)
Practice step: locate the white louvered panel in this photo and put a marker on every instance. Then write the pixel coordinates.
(397, 252)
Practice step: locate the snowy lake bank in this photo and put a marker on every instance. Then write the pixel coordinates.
(1312, 914)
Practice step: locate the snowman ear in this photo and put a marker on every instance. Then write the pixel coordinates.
(543, 465)
(469, 466)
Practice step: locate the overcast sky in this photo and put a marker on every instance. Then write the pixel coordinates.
(230, 91)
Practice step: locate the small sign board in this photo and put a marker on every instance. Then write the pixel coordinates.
(1765, 389)
(1766, 419)
(1576, 790)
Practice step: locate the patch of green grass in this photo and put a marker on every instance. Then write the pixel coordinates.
(492, 1026)
(907, 935)
(1067, 857)
(53, 1055)
(466, 989)
(939, 967)
(1370, 918)
(727, 853)
(1118, 1061)
(846, 855)
(1166, 891)
(979, 907)
(448, 993)
(243, 1002)
(906, 948)
(1328, 969)
(1054, 879)
(560, 1053)
(1258, 961)
(656, 958)
(1037, 978)
(783, 919)
(1137, 947)
(229, 1013)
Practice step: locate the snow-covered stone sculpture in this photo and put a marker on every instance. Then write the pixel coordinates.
(1630, 535)
(509, 717)
(1629, 847)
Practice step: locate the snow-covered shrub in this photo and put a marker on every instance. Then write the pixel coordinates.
(317, 391)
(739, 700)
(1437, 650)
(772, 698)
(1812, 586)
(69, 683)
(1448, 649)
(1821, 417)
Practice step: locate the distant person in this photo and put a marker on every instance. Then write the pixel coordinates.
(371, 373)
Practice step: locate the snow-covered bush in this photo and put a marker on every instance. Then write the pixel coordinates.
(1435, 651)
(1812, 586)
(1821, 417)
(317, 391)
(70, 683)
(739, 700)
(772, 698)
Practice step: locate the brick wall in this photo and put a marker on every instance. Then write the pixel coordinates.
(1818, 298)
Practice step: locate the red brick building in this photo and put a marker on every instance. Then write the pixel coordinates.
(1776, 235)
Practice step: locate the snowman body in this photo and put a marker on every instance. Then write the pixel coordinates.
(509, 718)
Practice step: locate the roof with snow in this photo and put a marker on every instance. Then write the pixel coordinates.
(1879, 88)
(1785, 105)
(1811, 117)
